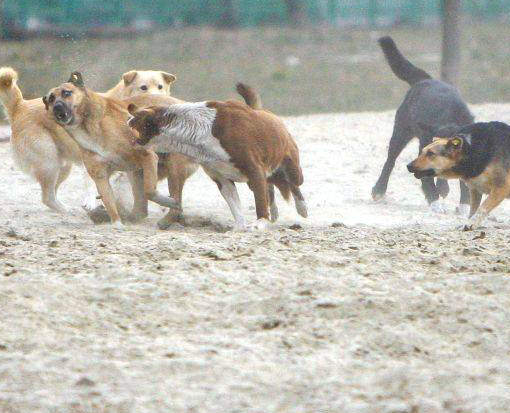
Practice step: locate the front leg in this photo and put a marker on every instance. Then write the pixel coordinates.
(475, 199)
(149, 162)
(98, 170)
(495, 197)
(140, 209)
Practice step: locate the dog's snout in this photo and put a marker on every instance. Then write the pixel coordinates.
(410, 167)
(59, 108)
(61, 112)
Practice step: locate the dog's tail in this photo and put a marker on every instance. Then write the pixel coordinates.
(10, 94)
(249, 95)
(402, 67)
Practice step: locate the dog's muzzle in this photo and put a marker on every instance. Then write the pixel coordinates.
(61, 113)
(420, 174)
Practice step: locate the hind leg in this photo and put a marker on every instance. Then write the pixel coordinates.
(179, 168)
(63, 174)
(299, 201)
(258, 184)
(273, 208)
(48, 179)
(399, 140)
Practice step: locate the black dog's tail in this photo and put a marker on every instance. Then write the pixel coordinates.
(402, 67)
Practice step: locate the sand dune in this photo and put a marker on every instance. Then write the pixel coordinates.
(366, 308)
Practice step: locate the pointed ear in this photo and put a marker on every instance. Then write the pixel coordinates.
(455, 143)
(132, 109)
(128, 77)
(76, 79)
(45, 101)
(168, 77)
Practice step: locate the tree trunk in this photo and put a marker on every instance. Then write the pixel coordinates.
(1, 21)
(230, 16)
(296, 12)
(450, 62)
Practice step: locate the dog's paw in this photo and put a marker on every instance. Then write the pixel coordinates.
(377, 195)
(438, 207)
(463, 210)
(98, 215)
(259, 225)
(118, 225)
(90, 203)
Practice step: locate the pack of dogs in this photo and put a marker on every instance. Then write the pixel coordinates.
(138, 132)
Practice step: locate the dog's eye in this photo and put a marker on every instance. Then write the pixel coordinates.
(51, 99)
(430, 154)
(143, 87)
(66, 93)
(160, 87)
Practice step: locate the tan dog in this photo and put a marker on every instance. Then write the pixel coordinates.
(234, 143)
(43, 149)
(99, 126)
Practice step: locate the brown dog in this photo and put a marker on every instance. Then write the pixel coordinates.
(234, 143)
(43, 149)
(98, 125)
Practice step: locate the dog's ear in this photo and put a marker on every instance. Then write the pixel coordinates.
(455, 143)
(76, 79)
(168, 77)
(128, 77)
(45, 101)
(132, 109)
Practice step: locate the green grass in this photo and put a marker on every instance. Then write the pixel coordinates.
(338, 70)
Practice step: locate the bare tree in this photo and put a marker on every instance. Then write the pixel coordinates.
(450, 63)
(296, 12)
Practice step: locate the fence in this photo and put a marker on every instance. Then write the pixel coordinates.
(33, 14)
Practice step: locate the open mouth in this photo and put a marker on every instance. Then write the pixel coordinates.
(63, 118)
(425, 173)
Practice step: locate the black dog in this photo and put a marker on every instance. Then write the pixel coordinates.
(429, 104)
(479, 154)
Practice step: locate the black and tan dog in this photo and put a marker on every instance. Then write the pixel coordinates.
(479, 155)
(430, 103)
(233, 142)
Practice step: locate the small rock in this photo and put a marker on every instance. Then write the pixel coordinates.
(295, 227)
(338, 225)
(85, 381)
(53, 243)
(326, 304)
(269, 325)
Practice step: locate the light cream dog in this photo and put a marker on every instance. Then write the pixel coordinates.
(42, 148)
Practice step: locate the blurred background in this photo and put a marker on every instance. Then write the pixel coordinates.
(303, 56)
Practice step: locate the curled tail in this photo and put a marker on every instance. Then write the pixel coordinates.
(10, 94)
(249, 95)
(402, 67)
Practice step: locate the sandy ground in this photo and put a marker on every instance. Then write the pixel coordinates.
(366, 308)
